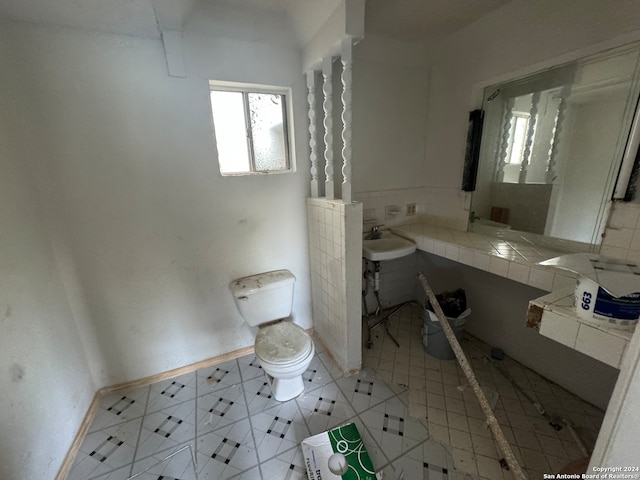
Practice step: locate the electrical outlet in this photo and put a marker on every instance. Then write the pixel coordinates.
(411, 209)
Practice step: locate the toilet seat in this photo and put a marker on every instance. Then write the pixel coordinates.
(282, 343)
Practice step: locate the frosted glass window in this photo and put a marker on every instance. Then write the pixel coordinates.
(250, 129)
(267, 126)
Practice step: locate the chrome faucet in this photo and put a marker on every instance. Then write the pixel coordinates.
(375, 233)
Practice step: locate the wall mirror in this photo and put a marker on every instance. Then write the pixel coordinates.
(552, 147)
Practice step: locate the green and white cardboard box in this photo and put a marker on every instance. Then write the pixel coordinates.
(338, 454)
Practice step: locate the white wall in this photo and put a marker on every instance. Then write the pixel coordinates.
(391, 114)
(617, 444)
(589, 165)
(390, 85)
(149, 235)
(521, 37)
(518, 37)
(130, 170)
(45, 381)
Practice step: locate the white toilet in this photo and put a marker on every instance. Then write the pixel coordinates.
(284, 349)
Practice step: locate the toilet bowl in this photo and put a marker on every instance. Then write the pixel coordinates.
(283, 348)
(285, 351)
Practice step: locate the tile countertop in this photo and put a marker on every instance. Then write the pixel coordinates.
(514, 260)
(553, 314)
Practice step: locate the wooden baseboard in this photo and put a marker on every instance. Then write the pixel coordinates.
(93, 408)
(176, 372)
(77, 441)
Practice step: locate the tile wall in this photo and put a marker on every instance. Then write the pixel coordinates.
(444, 207)
(397, 282)
(622, 236)
(436, 206)
(335, 244)
(449, 208)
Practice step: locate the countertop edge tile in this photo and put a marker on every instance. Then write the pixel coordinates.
(479, 251)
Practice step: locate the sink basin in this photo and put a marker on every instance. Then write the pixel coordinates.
(387, 247)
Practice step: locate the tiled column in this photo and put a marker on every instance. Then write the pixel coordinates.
(335, 251)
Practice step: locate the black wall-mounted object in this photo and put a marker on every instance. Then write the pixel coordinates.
(632, 187)
(472, 154)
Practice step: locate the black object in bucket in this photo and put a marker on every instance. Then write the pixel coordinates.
(453, 304)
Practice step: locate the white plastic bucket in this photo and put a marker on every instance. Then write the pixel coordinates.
(434, 339)
(596, 305)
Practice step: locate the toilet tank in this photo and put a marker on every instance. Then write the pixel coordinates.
(264, 297)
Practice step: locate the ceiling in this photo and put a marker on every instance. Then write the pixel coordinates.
(424, 21)
(409, 20)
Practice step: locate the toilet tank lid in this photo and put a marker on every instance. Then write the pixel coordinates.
(261, 282)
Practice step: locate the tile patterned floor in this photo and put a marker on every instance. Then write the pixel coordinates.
(226, 418)
(414, 413)
(440, 394)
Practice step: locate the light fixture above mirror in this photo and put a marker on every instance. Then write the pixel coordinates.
(552, 147)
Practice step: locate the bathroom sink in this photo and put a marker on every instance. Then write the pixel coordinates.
(387, 247)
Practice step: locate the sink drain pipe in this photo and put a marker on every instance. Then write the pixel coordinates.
(376, 292)
(503, 444)
(375, 279)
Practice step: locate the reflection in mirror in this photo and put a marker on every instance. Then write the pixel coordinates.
(552, 144)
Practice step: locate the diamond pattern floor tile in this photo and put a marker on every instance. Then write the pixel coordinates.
(176, 463)
(363, 391)
(278, 429)
(258, 394)
(226, 452)
(324, 408)
(433, 429)
(171, 392)
(288, 465)
(218, 377)
(220, 408)
(122, 473)
(392, 429)
(105, 450)
(250, 367)
(316, 375)
(120, 407)
(167, 429)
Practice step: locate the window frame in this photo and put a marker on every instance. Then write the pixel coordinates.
(287, 124)
(515, 116)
